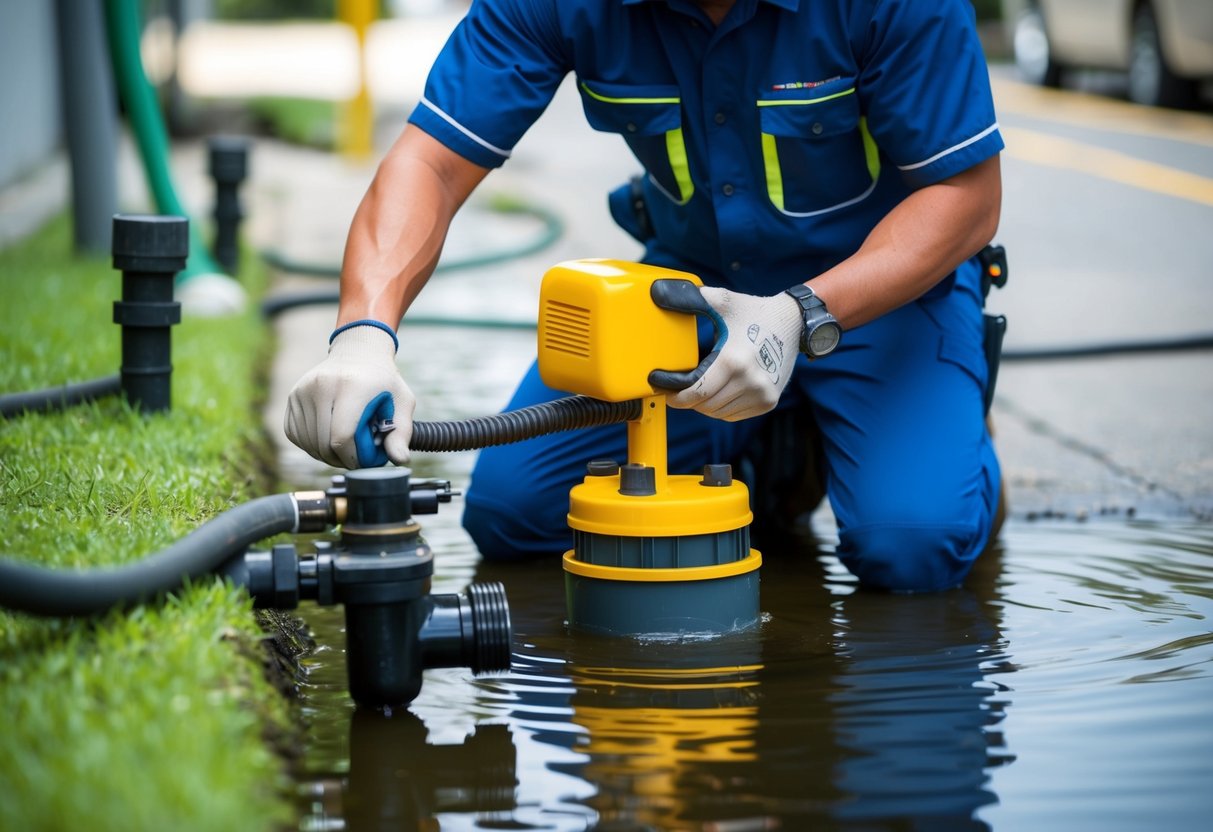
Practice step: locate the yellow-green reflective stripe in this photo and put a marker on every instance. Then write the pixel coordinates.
(770, 162)
(608, 100)
(870, 151)
(676, 148)
(784, 102)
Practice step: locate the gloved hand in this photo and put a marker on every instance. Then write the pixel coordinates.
(331, 410)
(757, 341)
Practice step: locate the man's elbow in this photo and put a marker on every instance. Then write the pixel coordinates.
(987, 194)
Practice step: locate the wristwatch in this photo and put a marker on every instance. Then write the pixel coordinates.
(821, 332)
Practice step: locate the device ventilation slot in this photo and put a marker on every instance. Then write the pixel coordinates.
(567, 329)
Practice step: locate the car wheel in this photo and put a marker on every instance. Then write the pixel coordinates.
(1033, 51)
(1150, 79)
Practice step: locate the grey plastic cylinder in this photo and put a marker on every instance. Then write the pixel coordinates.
(657, 608)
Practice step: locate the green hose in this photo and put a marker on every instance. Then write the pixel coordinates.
(123, 27)
(553, 228)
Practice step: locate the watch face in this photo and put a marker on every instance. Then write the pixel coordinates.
(824, 338)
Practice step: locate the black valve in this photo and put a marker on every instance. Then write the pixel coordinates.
(381, 571)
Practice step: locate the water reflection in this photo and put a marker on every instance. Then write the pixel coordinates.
(398, 780)
(844, 710)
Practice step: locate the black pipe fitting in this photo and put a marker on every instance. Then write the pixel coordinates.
(381, 570)
(228, 167)
(149, 250)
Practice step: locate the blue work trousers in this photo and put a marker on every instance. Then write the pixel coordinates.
(911, 472)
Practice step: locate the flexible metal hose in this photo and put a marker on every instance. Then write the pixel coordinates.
(541, 419)
(54, 592)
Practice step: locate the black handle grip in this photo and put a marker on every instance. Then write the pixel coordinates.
(679, 295)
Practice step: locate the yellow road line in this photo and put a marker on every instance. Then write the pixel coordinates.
(1083, 110)
(1055, 151)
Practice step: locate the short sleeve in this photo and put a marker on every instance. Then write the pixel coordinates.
(925, 88)
(494, 77)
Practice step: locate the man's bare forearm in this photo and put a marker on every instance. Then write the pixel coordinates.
(400, 226)
(915, 246)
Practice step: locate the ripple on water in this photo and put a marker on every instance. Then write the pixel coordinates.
(1066, 686)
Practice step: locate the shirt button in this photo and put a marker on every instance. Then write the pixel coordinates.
(632, 127)
(817, 128)
(727, 190)
(720, 118)
(735, 265)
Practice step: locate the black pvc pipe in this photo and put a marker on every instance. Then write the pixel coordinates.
(228, 164)
(149, 250)
(58, 398)
(90, 116)
(54, 592)
(471, 630)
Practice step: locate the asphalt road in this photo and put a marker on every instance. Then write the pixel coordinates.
(1108, 222)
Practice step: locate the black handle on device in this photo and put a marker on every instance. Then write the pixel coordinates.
(679, 295)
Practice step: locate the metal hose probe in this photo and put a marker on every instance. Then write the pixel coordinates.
(570, 413)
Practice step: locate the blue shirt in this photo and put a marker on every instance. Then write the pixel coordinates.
(773, 143)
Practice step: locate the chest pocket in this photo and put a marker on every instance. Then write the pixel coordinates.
(816, 150)
(649, 118)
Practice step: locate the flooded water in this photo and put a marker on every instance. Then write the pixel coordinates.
(1068, 685)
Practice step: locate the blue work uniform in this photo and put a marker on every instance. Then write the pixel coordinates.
(772, 144)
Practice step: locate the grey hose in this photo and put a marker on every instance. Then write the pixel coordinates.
(1098, 350)
(57, 398)
(54, 592)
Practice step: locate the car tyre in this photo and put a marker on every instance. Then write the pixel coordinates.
(1034, 51)
(1151, 81)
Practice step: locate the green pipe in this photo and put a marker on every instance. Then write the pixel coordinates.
(124, 28)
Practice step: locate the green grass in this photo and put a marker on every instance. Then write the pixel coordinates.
(161, 716)
(304, 121)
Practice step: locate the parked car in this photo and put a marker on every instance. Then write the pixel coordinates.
(1165, 46)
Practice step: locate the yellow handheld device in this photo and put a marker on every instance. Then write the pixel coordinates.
(653, 552)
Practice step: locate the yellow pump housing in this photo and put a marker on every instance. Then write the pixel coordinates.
(653, 552)
(600, 334)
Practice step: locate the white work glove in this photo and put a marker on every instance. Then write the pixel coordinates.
(336, 411)
(757, 341)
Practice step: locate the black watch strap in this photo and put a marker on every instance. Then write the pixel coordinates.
(815, 316)
(806, 297)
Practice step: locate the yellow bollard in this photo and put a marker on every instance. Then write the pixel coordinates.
(356, 128)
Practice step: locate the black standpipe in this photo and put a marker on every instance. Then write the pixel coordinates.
(228, 167)
(149, 250)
